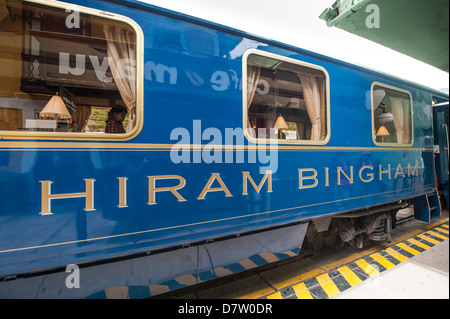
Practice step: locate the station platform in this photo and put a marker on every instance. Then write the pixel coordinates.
(423, 276)
(415, 265)
(411, 268)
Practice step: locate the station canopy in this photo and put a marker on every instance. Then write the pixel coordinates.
(416, 28)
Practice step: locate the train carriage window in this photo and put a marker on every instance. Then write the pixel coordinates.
(63, 71)
(285, 99)
(392, 116)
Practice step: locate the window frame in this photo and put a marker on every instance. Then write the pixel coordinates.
(22, 135)
(392, 88)
(245, 106)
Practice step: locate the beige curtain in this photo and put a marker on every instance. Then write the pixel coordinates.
(81, 117)
(121, 45)
(323, 102)
(400, 112)
(407, 134)
(312, 95)
(253, 74)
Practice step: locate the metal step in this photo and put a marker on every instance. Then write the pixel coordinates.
(427, 207)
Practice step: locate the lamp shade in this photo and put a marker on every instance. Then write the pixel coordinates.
(55, 108)
(382, 131)
(280, 124)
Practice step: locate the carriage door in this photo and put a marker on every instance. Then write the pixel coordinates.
(441, 127)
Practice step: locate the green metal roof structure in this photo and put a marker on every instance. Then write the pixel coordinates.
(417, 28)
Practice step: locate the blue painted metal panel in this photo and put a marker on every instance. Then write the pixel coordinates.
(146, 276)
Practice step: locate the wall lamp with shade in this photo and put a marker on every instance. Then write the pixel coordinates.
(280, 125)
(382, 131)
(55, 109)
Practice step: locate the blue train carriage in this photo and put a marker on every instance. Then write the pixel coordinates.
(233, 150)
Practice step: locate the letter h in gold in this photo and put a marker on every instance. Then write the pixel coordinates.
(47, 196)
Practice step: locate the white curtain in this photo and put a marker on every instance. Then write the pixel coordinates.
(122, 61)
(401, 119)
(253, 74)
(311, 94)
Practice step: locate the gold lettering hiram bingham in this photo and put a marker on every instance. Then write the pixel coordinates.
(307, 178)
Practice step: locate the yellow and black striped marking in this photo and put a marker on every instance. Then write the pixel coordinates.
(331, 283)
